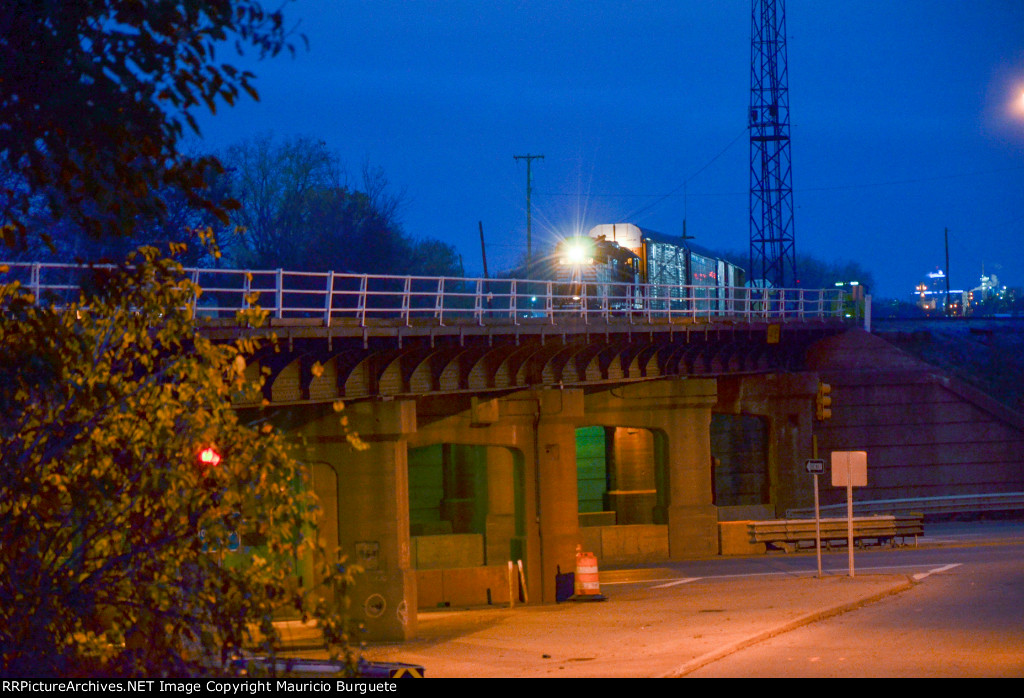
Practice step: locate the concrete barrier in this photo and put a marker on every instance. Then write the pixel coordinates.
(626, 544)
(465, 586)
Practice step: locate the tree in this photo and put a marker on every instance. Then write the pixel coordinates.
(815, 273)
(96, 96)
(299, 211)
(180, 223)
(273, 182)
(109, 513)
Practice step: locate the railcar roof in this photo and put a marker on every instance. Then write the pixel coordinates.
(678, 240)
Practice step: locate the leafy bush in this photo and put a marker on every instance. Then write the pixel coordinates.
(107, 511)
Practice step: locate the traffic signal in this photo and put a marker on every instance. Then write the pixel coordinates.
(208, 458)
(823, 402)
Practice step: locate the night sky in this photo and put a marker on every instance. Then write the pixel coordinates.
(907, 118)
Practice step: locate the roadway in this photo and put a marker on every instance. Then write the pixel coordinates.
(963, 620)
(953, 606)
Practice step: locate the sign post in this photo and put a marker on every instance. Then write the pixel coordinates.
(849, 470)
(816, 467)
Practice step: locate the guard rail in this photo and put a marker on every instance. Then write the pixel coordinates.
(334, 297)
(929, 506)
(791, 534)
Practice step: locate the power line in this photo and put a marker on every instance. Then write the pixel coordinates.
(838, 187)
(644, 209)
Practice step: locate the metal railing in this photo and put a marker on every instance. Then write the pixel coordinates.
(949, 504)
(363, 298)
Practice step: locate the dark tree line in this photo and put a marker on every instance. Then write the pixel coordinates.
(300, 210)
(291, 205)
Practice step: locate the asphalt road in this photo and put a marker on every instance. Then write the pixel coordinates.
(950, 607)
(966, 619)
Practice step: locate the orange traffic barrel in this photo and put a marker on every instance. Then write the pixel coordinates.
(587, 583)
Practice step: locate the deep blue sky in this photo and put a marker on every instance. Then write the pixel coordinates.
(902, 116)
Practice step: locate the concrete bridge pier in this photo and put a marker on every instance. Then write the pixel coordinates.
(371, 509)
(559, 411)
(528, 444)
(692, 517)
(678, 415)
(503, 541)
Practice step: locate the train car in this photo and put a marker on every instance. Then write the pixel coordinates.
(629, 265)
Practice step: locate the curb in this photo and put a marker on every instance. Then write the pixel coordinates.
(807, 619)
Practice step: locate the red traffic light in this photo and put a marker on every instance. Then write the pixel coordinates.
(209, 457)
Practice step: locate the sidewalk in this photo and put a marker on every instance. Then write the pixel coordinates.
(640, 631)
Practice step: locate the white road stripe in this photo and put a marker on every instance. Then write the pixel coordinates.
(676, 583)
(791, 573)
(921, 575)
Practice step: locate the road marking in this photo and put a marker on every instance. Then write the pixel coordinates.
(670, 582)
(632, 581)
(921, 575)
(676, 583)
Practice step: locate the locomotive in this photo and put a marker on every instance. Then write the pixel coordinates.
(633, 266)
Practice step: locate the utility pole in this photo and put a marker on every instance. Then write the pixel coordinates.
(529, 188)
(685, 236)
(947, 272)
(483, 249)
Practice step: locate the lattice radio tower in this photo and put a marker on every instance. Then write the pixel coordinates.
(772, 246)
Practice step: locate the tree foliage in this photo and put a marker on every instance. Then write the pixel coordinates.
(109, 517)
(96, 96)
(179, 223)
(299, 211)
(815, 273)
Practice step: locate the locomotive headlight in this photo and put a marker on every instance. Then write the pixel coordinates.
(578, 252)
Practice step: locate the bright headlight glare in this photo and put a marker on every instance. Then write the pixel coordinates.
(577, 253)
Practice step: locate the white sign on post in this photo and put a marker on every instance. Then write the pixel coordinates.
(849, 470)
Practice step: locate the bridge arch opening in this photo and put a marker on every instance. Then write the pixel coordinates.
(466, 522)
(623, 492)
(741, 483)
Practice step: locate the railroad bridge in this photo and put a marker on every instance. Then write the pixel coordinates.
(513, 420)
(506, 421)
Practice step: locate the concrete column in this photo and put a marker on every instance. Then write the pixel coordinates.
(325, 486)
(792, 410)
(692, 518)
(501, 523)
(556, 486)
(540, 427)
(373, 511)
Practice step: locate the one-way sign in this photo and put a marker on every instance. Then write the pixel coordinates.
(815, 466)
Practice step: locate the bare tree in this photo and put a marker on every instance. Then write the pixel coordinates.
(300, 211)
